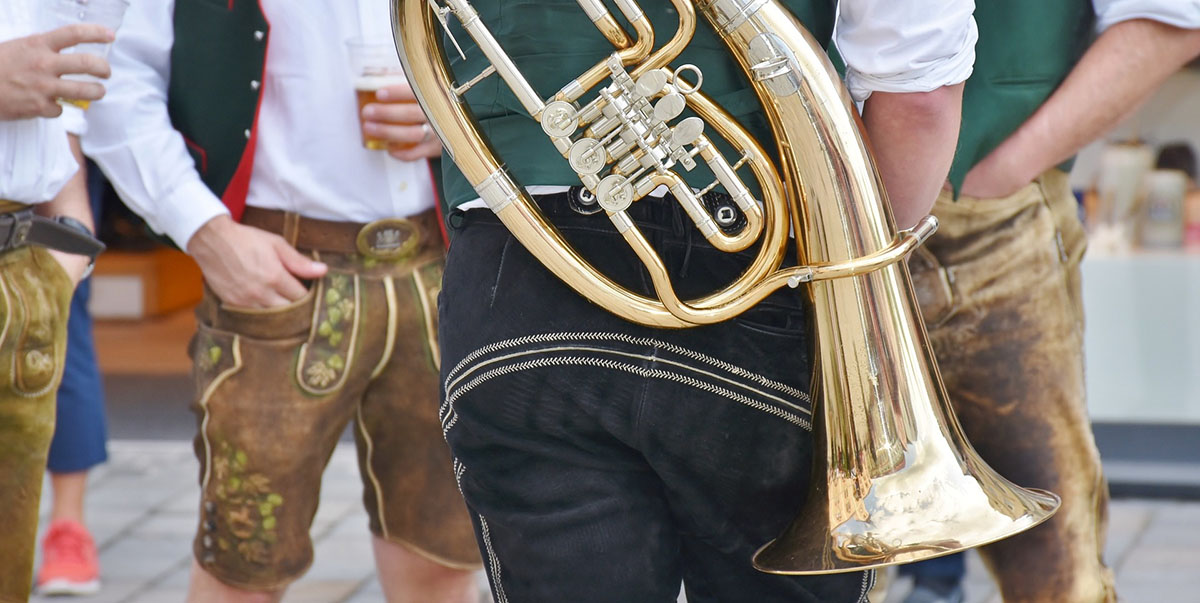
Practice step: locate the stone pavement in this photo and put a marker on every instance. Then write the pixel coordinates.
(142, 510)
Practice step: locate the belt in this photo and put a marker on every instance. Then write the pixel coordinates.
(388, 239)
(23, 227)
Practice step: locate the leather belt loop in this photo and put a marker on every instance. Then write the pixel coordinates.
(291, 227)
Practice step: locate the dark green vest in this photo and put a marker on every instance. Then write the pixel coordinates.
(552, 42)
(217, 65)
(1026, 49)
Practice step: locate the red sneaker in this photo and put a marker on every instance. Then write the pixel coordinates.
(69, 565)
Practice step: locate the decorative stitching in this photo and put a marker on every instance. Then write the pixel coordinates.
(629, 339)
(236, 346)
(449, 417)
(493, 561)
(654, 359)
(867, 585)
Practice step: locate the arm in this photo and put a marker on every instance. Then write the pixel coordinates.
(131, 137)
(30, 70)
(913, 136)
(908, 60)
(71, 201)
(1119, 72)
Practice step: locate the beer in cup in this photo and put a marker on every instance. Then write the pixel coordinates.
(374, 65)
(60, 13)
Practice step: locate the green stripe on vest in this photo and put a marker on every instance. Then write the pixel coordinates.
(553, 42)
(1026, 49)
(210, 98)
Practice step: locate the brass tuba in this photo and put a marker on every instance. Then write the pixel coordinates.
(901, 483)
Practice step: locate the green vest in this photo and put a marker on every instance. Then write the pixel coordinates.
(1026, 49)
(553, 42)
(217, 64)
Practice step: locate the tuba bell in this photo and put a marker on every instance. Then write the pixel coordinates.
(897, 481)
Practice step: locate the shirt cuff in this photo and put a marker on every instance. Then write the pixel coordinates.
(931, 75)
(185, 210)
(1184, 14)
(73, 120)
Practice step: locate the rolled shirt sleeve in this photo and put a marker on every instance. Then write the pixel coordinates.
(130, 136)
(905, 45)
(1180, 13)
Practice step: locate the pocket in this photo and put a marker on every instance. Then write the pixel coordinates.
(775, 320)
(38, 300)
(277, 322)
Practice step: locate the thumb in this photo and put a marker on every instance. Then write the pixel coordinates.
(297, 264)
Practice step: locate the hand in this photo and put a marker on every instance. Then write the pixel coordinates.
(995, 178)
(400, 121)
(74, 265)
(248, 267)
(30, 70)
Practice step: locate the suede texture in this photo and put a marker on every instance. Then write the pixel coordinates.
(999, 286)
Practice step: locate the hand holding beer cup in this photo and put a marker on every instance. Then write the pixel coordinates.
(397, 120)
(33, 71)
(388, 112)
(68, 13)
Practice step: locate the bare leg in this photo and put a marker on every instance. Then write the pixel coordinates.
(205, 588)
(407, 577)
(67, 490)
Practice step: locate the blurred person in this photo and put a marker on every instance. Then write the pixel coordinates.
(70, 564)
(233, 128)
(1181, 156)
(45, 223)
(999, 282)
(604, 460)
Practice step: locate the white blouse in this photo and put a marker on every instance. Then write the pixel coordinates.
(35, 159)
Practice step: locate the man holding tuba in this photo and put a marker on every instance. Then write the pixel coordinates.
(1008, 327)
(603, 460)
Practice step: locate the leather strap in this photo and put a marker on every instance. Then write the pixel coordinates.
(327, 235)
(23, 227)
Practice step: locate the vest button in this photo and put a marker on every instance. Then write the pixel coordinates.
(259, 35)
(254, 84)
(247, 133)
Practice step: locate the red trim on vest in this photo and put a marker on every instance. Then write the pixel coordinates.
(437, 207)
(235, 193)
(199, 151)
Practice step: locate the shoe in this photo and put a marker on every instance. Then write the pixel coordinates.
(69, 565)
(935, 590)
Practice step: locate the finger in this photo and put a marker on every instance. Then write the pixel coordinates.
(74, 90)
(400, 93)
(392, 133)
(425, 150)
(287, 287)
(49, 108)
(82, 62)
(79, 33)
(272, 299)
(395, 113)
(298, 264)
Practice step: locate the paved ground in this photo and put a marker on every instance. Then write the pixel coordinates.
(142, 508)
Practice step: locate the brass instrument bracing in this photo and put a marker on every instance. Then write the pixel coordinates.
(901, 482)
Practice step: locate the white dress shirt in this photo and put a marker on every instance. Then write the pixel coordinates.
(1180, 13)
(309, 157)
(905, 45)
(35, 159)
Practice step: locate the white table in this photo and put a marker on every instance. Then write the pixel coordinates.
(1143, 337)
